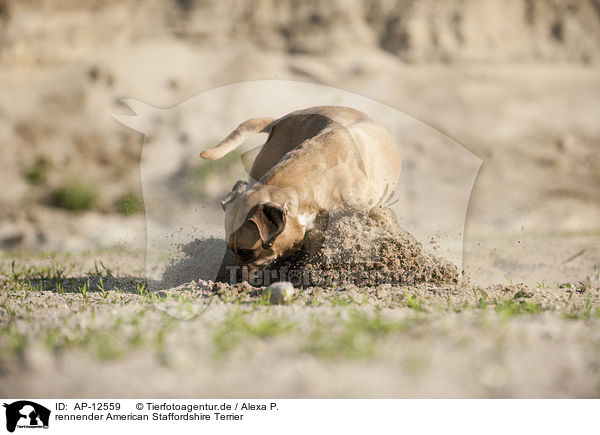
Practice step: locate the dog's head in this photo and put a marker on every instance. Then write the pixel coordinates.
(261, 223)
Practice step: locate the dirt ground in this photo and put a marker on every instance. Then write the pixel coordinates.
(501, 97)
(88, 330)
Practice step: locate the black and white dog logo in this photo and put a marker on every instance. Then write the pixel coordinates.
(26, 414)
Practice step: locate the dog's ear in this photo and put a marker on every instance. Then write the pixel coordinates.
(237, 188)
(270, 220)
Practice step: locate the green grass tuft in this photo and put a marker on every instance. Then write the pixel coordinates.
(238, 327)
(511, 307)
(37, 173)
(129, 204)
(75, 196)
(356, 338)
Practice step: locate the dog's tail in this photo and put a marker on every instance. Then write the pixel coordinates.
(237, 136)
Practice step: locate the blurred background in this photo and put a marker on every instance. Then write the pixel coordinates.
(516, 82)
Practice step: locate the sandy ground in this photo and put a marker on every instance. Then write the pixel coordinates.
(499, 96)
(215, 340)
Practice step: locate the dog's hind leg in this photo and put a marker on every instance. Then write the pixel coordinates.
(237, 137)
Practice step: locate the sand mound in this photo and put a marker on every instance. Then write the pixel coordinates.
(363, 248)
(358, 247)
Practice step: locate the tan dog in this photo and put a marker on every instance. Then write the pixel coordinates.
(315, 160)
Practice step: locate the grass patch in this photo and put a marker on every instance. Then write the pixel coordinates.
(57, 276)
(12, 341)
(511, 307)
(37, 173)
(238, 327)
(129, 204)
(75, 196)
(106, 342)
(410, 301)
(581, 311)
(355, 338)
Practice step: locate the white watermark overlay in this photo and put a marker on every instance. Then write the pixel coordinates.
(186, 228)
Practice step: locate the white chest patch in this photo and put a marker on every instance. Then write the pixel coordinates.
(306, 220)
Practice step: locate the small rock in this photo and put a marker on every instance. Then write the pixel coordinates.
(280, 292)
